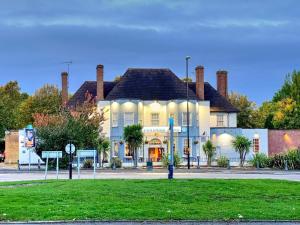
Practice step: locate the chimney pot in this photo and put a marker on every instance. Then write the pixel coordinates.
(200, 82)
(64, 88)
(222, 83)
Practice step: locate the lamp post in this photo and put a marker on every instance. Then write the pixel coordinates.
(187, 110)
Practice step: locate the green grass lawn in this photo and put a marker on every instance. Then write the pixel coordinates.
(150, 200)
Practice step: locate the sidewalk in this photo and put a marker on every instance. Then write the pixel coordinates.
(202, 173)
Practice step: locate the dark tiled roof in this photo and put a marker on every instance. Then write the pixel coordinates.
(151, 84)
(89, 87)
(217, 102)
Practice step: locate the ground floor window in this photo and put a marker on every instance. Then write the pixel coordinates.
(115, 152)
(128, 151)
(185, 146)
(255, 144)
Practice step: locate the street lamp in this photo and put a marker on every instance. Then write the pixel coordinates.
(187, 58)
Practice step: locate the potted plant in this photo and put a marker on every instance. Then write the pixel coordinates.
(121, 142)
(165, 141)
(196, 142)
(146, 142)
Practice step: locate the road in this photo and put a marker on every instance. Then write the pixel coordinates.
(14, 175)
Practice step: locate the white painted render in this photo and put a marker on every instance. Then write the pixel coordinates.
(230, 119)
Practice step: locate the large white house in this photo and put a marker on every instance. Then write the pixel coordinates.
(149, 97)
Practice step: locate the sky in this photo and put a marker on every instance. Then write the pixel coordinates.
(256, 41)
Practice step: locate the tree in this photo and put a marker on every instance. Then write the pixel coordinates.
(242, 146)
(46, 100)
(209, 149)
(103, 149)
(10, 100)
(248, 115)
(133, 136)
(187, 79)
(82, 126)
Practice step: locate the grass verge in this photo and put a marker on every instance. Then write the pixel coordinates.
(150, 200)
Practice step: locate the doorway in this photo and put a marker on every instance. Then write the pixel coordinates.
(155, 154)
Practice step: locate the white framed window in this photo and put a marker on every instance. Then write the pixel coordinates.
(155, 119)
(173, 115)
(114, 119)
(115, 152)
(255, 144)
(184, 119)
(128, 118)
(220, 120)
(128, 153)
(185, 146)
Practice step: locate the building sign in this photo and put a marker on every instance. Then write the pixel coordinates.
(29, 138)
(159, 129)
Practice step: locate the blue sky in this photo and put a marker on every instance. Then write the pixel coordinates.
(256, 41)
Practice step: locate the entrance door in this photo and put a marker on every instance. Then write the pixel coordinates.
(155, 154)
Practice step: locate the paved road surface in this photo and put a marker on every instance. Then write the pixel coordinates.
(13, 175)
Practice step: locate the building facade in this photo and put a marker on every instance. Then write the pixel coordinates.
(149, 97)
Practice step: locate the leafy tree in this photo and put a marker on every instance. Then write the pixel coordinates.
(103, 149)
(242, 146)
(290, 88)
(46, 100)
(209, 150)
(133, 136)
(81, 126)
(248, 115)
(187, 79)
(10, 100)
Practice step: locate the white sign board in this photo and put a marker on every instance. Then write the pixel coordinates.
(83, 154)
(67, 148)
(86, 153)
(52, 154)
(160, 129)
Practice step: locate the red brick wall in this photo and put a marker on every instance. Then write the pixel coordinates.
(283, 140)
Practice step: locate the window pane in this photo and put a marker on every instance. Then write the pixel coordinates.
(220, 120)
(128, 118)
(114, 119)
(184, 119)
(155, 119)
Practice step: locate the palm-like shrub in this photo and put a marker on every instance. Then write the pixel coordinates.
(223, 161)
(166, 161)
(260, 160)
(242, 146)
(209, 150)
(133, 136)
(103, 149)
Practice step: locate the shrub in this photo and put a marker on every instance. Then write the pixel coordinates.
(116, 161)
(261, 159)
(87, 164)
(222, 161)
(292, 157)
(209, 149)
(165, 160)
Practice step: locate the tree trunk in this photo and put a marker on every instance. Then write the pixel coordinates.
(208, 161)
(135, 158)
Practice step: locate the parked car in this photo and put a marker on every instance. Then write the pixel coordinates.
(2, 157)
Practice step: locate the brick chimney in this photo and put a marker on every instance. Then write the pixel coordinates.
(100, 88)
(64, 88)
(200, 82)
(222, 83)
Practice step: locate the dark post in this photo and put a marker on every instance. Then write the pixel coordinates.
(187, 111)
(70, 161)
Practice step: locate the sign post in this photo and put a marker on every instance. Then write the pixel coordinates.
(171, 122)
(86, 153)
(70, 149)
(51, 155)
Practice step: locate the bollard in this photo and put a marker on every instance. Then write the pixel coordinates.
(257, 165)
(198, 162)
(286, 165)
(114, 165)
(19, 167)
(228, 165)
(39, 164)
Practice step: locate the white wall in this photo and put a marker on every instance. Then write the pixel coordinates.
(105, 107)
(262, 134)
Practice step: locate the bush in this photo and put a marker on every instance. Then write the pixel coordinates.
(87, 164)
(292, 157)
(222, 161)
(165, 160)
(261, 159)
(117, 162)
